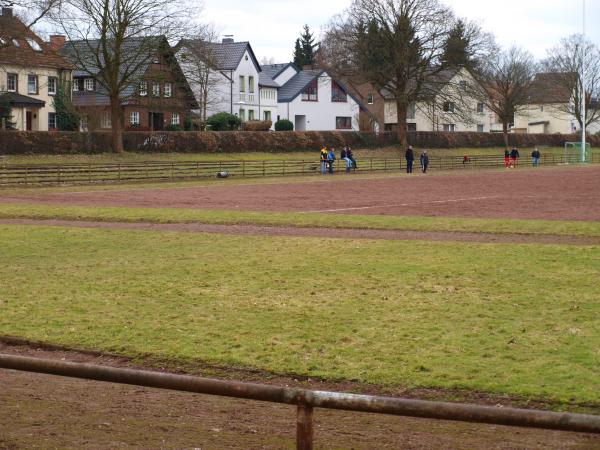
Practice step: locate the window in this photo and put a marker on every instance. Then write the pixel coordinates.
(311, 93)
(175, 119)
(480, 128)
(52, 121)
(242, 83)
(479, 107)
(83, 123)
(370, 99)
(32, 84)
(156, 89)
(52, 85)
(449, 107)
(343, 123)
(267, 115)
(12, 82)
(542, 108)
(251, 114)
(134, 118)
(75, 84)
(463, 85)
(411, 126)
(338, 95)
(242, 115)
(106, 120)
(449, 127)
(411, 111)
(143, 88)
(88, 84)
(16, 43)
(33, 44)
(168, 89)
(251, 85)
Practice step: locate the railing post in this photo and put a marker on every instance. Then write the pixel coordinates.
(89, 174)
(263, 167)
(243, 168)
(371, 164)
(197, 169)
(304, 427)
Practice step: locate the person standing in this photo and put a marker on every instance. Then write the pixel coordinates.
(331, 159)
(514, 156)
(424, 161)
(324, 160)
(410, 159)
(535, 157)
(506, 158)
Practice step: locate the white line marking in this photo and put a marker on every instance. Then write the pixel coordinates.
(358, 208)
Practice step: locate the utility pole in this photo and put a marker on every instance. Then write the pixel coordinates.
(583, 103)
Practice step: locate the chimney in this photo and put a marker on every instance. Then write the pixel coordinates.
(57, 42)
(7, 12)
(228, 39)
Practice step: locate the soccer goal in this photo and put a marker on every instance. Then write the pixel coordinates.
(575, 153)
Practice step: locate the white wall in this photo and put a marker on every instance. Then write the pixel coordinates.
(321, 115)
(558, 121)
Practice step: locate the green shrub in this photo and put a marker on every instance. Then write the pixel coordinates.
(66, 117)
(284, 125)
(172, 128)
(223, 122)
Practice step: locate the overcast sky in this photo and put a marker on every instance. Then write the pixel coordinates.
(272, 26)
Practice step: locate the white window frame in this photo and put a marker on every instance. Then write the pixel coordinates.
(88, 84)
(143, 88)
(480, 108)
(250, 114)
(35, 80)
(449, 127)
(15, 78)
(175, 119)
(106, 120)
(134, 118)
(242, 83)
(52, 85)
(53, 116)
(155, 89)
(267, 115)
(250, 84)
(168, 89)
(33, 44)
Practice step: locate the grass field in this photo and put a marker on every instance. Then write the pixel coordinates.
(389, 152)
(513, 319)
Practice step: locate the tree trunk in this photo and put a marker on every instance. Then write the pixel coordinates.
(401, 108)
(505, 133)
(117, 126)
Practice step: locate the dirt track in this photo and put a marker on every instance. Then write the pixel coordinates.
(337, 233)
(54, 412)
(565, 193)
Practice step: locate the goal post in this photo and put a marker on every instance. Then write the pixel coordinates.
(575, 152)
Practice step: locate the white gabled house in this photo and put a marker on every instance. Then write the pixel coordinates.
(313, 100)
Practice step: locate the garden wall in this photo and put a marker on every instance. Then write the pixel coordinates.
(18, 142)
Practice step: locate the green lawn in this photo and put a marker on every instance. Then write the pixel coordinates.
(389, 152)
(515, 319)
(407, 223)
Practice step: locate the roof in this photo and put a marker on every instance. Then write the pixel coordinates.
(19, 100)
(551, 88)
(297, 84)
(12, 31)
(540, 122)
(226, 56)
(433, 84)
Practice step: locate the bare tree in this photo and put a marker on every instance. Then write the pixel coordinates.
(199, 64)
(398, 47)
(504, 84)
(114, 40)
(31, 11)
(573, 61)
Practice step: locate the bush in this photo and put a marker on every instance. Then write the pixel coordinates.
(284, 125)
(258, 125)
(223, 122)
(172, 128)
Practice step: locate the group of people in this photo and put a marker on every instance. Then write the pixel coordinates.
(328, 159)
(511, 157)
(410, 159)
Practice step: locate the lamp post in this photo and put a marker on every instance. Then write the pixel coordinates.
(584, 99)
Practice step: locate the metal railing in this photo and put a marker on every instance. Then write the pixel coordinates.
(307, 400)
(96, 173)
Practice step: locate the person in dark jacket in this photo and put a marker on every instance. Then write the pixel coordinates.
(514, 156)
(410, 159)
(350, 156)
(535, 157)
(424, 161)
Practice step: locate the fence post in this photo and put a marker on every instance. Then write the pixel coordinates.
(385, 164)
(263, 167)
(146, 165)
(197, 169)
(89, 174)
(283, 170)
(172, 170)
(59, 174)
(243, 168)
(371, 164)
(304, 427)
(119, 174)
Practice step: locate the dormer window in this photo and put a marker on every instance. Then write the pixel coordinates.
(143, 88)
(156, 89)
(33, 44)
(88, 84)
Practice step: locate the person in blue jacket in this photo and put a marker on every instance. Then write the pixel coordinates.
(331, 159)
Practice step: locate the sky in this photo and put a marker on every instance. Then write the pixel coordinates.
(272, 26)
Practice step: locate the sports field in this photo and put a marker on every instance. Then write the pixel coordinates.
(491, 292)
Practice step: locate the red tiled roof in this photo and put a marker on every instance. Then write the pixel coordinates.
(13, 30)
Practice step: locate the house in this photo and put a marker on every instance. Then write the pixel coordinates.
(226, 77)
(313, 100)
(156, 97)
(31, 72)
(452, 110)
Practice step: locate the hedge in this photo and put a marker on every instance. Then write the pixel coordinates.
(39, 142)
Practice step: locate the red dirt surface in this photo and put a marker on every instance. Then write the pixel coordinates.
(563, 193)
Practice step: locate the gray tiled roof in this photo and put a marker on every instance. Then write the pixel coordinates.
(266, 81)
(294, 87)
(225, 56)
